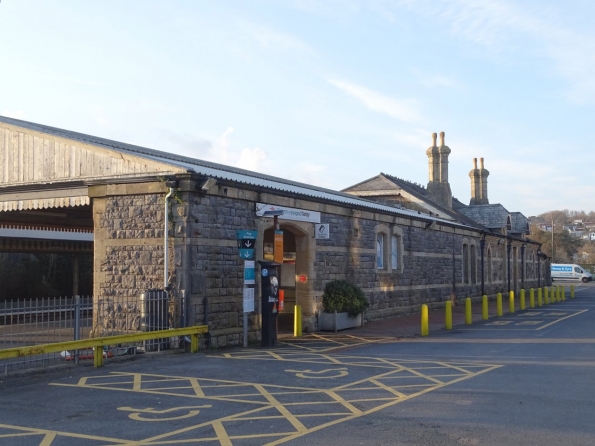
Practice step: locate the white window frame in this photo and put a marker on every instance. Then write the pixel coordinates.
(396, 238)
(472, 264)
(381, 251)
(383, 245)
(465, 259)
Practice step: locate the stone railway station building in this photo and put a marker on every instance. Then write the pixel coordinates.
(403, 244)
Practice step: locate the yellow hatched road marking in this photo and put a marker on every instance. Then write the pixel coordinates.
(560, 320)
(48, 439)
(388, 388)
(282, 409)
(221, 434)
(156, 438)
(445, 365)
(352, 409)
(137, 382)
(415, 372)
(381, 407)
(34, 431)
(199, 388)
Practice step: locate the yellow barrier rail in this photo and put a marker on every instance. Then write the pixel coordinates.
(99, 343)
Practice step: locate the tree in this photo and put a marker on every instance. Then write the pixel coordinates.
(565, 245)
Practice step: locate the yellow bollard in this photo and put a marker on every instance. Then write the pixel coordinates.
(448, 315)
(297, 321)
(499, 304)
(522, 299)
(558, 293)
(484, 307)
(531, 298)
(511, 301)
(572, 291)
(539, 297)
(98, 356)
(468, 312)
(547, 295)
(563, 294)
(425, 326)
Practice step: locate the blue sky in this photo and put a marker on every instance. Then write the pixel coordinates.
(325, 92)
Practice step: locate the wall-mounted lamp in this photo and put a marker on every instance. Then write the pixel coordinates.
(208, 183)
(431, 224)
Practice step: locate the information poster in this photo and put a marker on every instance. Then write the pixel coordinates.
(249, 276)
(278, 247)
(248, 300)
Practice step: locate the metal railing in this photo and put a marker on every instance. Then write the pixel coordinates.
(57, 320)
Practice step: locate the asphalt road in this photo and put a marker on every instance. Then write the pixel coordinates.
(522, 379)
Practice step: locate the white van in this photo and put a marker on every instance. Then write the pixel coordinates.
(569, 271)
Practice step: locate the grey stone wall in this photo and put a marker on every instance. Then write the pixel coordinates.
(215, 268)
(205, 266)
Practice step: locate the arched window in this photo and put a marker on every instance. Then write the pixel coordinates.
(389, 248)
(465, 263)
(380, 251)
(394, 252)
(473, 275)
(489, 265)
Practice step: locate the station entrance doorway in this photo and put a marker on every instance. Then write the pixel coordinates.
(292, 270)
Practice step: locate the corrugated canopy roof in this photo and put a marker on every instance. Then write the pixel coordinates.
(221, 171)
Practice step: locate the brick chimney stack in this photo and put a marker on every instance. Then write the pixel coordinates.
(479, 183)
(438, 186)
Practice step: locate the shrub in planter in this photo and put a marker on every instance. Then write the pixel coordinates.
(342, 296)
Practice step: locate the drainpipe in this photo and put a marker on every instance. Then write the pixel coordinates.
(165, 237)
(539, 268)
(454, 286)
(482, 244)
(508, 249)
(523, 266)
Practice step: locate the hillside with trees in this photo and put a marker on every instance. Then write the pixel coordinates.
(568, 233)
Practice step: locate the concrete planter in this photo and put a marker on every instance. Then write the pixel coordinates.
(338, 321)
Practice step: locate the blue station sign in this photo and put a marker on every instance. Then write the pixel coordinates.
(246, 243)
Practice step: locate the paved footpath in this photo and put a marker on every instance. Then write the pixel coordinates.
(522, 379)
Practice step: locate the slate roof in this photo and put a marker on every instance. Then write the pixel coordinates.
(420, 192)
(519, 223)
(493, 216)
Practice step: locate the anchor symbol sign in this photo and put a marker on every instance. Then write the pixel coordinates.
(321, 374)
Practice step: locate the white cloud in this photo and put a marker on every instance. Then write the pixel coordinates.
(251, 159)
(221, 150)
(406, 110)
(501, 25)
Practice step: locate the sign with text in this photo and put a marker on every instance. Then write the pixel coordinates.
(285, 213)
(278, 248)
(249, 275)
(322, 231)
(248, 300)
(246, 241)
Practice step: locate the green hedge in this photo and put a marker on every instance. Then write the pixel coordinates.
(342, 296)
